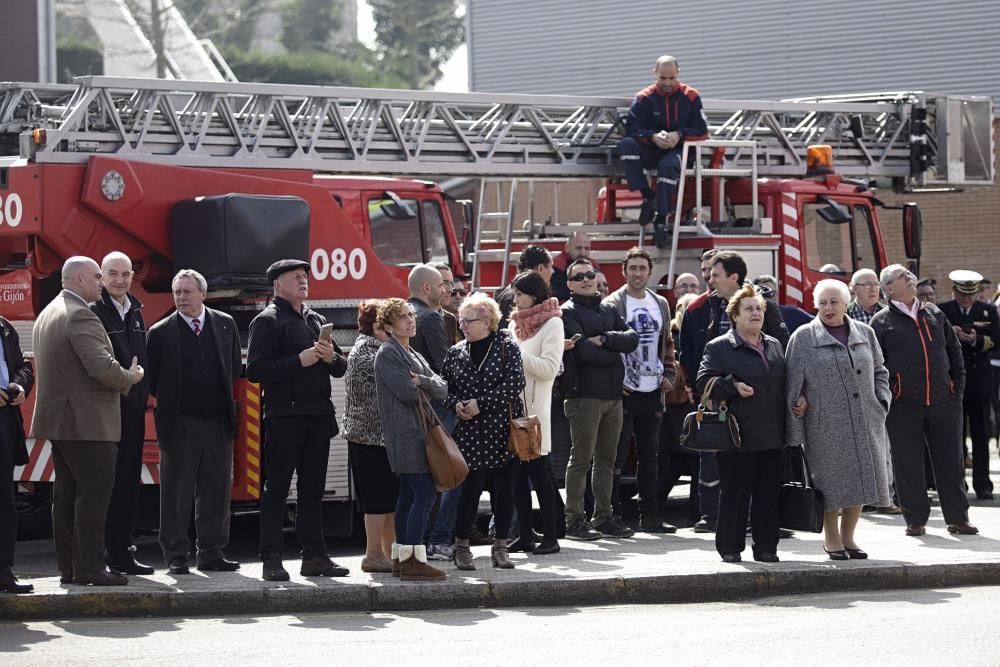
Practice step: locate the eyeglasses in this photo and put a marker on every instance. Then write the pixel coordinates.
(458, 292)
(904, 274)
(462, 322)
(583, 275)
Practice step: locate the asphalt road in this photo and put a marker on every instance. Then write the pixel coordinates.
(925, 627)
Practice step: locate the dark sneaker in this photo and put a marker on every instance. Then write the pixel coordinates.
(274, 571)
(660, 236)
(651, 524)
(582, 531)
(647, 210)
(704, 526)
(613, 528)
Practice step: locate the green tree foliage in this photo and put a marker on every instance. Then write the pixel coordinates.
(416, 37)
(313, 68)
(309, 24)
(228, 23)
(77, 58)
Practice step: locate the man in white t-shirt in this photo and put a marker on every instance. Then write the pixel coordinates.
(649, 371)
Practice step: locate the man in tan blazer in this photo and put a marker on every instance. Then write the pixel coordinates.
(77, 410)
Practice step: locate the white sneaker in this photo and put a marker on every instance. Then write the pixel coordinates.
(440, 552)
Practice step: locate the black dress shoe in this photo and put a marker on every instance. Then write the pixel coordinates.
(274, 570)
(129, 565)
(962, 528)
(837, 554)
(178, 565)
(766, 558)
(101, 578)
(916, 530)
(219, 565)
(546, 548)
(856, 554)
(322, 566)
(65, 578)
(8, 583)
(731, 558)
(984, 495)
(521, 545)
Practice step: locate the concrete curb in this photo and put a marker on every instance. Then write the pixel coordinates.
(748, 582)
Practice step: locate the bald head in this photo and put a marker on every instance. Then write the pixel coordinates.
(425, 283)
(577, 246)
(117, 269)
(686, 283)
(82, 276)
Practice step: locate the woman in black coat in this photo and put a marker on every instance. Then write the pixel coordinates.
(750, 366)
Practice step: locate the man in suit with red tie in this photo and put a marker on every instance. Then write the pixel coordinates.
(16, 380)
(194, 359)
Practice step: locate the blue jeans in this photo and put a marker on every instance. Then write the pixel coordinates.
(416, 498)
(444, 527)
(708, 485)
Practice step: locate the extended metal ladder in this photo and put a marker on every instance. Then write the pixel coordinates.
(216, 124)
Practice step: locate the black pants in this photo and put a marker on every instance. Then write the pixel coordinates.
(128, 465)
(674, 461)
(746, 477)
(302, 445)
(642, 413)
(502, 494)
(537, 472)
(940, 426)
(196, 470)
(8, 509)
(977, 411)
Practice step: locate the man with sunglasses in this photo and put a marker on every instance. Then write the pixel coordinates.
(592, 383)
(927, 376)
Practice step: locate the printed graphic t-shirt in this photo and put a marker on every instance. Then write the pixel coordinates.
(643, 367)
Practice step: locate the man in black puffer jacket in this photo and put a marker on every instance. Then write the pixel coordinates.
(927, 378)
(592, 384)
(286, 356)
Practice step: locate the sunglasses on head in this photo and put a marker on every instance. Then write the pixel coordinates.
(583, 275)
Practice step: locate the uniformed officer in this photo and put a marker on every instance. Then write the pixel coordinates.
(977, 326)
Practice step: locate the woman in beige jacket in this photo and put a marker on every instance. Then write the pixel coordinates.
(536, 326)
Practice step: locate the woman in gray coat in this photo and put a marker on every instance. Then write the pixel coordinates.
(838, 397)
(400, 373)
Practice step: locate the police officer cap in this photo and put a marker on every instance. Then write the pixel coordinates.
(284, 266)
(966, 282)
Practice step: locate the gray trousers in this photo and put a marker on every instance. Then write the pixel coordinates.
(85, 476)
(196, 470)
(595, 424)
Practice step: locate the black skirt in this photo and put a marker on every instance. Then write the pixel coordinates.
(376, 486)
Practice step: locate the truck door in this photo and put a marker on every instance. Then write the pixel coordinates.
(839, 238)
(406, 231)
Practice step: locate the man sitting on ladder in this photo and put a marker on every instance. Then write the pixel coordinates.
(662, 117)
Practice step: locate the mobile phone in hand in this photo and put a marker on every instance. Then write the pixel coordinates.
(576, 337)
(326, 333)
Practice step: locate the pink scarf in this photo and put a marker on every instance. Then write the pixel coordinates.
(528, 321)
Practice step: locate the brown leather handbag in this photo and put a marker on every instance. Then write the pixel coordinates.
(525, 440)
(447, 465)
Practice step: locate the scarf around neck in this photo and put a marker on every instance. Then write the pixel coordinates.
(528, 321)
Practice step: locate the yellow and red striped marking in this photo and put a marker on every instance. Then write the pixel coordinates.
(252, 427)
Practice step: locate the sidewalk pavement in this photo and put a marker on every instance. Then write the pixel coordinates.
(646, 568)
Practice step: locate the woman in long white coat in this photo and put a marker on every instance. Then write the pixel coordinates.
(536, 326)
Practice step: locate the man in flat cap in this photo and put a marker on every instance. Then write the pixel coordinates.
(194, 360)
(293, 362)
(977, 326)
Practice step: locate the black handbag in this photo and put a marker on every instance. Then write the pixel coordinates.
(710, 431)
(801, 504)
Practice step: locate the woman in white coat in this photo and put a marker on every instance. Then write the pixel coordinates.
(536, 326)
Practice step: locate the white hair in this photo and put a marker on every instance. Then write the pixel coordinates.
(831, 284)
(886, 276)
(861, 273)
(191, 273)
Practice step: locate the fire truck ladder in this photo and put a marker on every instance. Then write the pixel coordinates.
(354, 130)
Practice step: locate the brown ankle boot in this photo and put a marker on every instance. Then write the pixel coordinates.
(463, 555)
(395, 559)
(413, 565)
(500, 555)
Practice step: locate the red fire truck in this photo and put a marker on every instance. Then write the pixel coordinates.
(100, 165)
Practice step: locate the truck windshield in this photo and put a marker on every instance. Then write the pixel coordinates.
(409, 233)
(839, 249)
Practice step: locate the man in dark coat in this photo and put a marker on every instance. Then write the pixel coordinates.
(592, 382)
(16, 381)
(121, 314)
(927, 378)
(194, 360)
(977, 326)
(293, 361)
